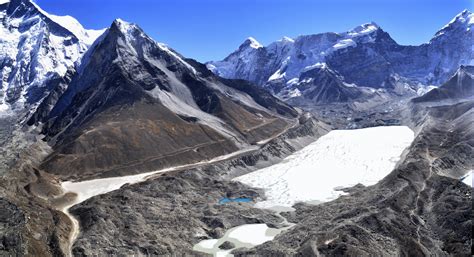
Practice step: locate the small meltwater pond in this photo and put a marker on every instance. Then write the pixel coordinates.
(234, 200)
(341, 158)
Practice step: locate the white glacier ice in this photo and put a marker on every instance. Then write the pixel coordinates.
(248, 235)
(342, 158)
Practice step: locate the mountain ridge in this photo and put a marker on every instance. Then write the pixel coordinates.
(365, 56)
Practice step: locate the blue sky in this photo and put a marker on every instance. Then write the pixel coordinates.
(211, 29)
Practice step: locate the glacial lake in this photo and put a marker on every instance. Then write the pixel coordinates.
(315, 174)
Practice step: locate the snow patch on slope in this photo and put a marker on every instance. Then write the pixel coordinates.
(342, 158)
(295, 92)
(4, 107)
(248, 235)
(164, 47)
(468, 179)
(344, 44)
(317, 65)
(423, 90)
(277, 75)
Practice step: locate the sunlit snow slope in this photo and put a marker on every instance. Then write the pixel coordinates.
(468, 180)
(341, 158)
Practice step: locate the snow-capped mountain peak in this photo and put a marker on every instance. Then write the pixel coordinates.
(364, 29)
(71, 24)
(252, 42)
(136, 38)
(286, 39)
(465, 17)
(292, 55)
(462, 21)
(366, 32)
(35, 48)
(456, 39)
(67, 22)
(130, 30)
(124, 26)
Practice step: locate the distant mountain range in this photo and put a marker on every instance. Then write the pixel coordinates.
(365, 56)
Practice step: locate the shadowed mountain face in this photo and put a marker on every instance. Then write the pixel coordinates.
(458, 87)
(321, 85)
(135, 105)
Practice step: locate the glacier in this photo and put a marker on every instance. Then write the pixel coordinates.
(340, 159)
